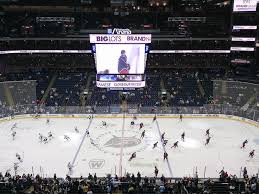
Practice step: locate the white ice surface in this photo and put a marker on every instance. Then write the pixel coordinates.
(108, 155)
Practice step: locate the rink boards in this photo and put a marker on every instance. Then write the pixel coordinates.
(159, 116)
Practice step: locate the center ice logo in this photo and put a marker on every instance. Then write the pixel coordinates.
(111, 142)
(115, 142)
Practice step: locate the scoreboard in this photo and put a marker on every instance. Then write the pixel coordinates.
(120, 58)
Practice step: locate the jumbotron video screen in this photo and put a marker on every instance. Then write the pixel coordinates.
(120, 59)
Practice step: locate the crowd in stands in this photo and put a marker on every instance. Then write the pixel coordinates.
(22, 24)
(188, 60)
(66, 89)
(128, 184)
(177, 87)
(191, 44)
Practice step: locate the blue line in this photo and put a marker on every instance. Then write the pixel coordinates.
(77, 152)
(168, 164)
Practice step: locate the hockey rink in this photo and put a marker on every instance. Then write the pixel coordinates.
(108, 148)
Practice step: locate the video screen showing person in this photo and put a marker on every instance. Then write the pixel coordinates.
(120, 58)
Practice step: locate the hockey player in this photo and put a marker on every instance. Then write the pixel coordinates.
(141, 125)
(154, 119)
(165, 142)
(15, 167)
(89, 117)
(92, 141)
(104, 123)
(76, 130)
(175, 144)
(252, 153)
(155, 145)
(18, 157)
(207, 141)
(181, 117)
(50, 135)
(87, 133)
(13, 134)
(156, 171)
(66, 137)
(70, 167)
(133, 155)
(165, 156)
(134, 118)
(162, 137)
(40, 137)
(142, 134)
(208, 132)
(244, 144)
(132, 123)
(183, 136)
(47, 121)
(45, 139)
(14, 126)
(37, 116)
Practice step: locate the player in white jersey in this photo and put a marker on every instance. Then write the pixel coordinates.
(45, 139)
(70, 167)
(14, 126)
(40, 137)
(76, 130)
(104, 123)
(37, 116)
(66, 137)
(15, 167)
(50, 135)
(13, 134)
(18, 156)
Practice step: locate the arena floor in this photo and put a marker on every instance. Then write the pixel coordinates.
(109, 148)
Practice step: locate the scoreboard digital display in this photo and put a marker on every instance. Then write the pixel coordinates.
(120, 58)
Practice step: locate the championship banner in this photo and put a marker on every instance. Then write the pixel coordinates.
(244, 5)
(120, 39)
(127, 84)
